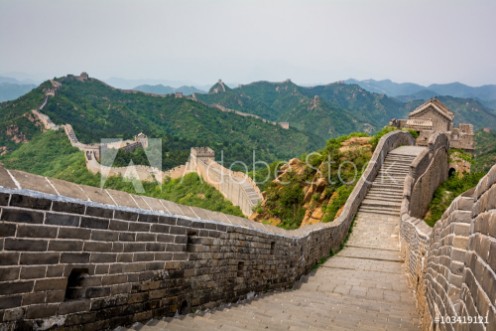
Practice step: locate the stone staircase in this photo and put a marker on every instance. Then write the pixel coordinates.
(384, 197)
(363, 287)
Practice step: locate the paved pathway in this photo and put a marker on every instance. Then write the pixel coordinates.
(363, 287)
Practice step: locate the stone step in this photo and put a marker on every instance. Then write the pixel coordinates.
(382, 203)
(375, 196)
(387, 212)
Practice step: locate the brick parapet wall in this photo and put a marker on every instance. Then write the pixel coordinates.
(76, 257)
(452, 265)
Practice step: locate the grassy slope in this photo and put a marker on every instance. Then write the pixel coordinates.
(51, 155)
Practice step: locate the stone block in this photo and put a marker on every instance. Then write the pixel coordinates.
(102, 258)
(10, 301)
(99, 212)
(25, 244)
(68, 207)
(33, 231)
(30, 272)
(104, 235)
(68, 233)
(7, 230)
(74, 306)
(94, 223)
(65, 245)
(22, 216)
(39, 258)
(148, 218)
(50, 284)
(92, 246)
(74, 258)
(25, 201)
(9, 273)
(62, 219)
(41, 310)
(16, 287)
(118, 225)
(139, 227)
(127, 236)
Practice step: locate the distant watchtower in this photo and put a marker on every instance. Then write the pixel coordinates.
(200, 153)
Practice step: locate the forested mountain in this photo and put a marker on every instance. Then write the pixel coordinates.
(97, 111)
(161, 89)
(337, 108)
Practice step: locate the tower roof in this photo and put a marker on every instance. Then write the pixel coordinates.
(437, 106)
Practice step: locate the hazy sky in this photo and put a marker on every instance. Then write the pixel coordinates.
(200, 41)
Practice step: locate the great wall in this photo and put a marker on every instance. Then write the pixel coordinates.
(75, 257)
(237, 187)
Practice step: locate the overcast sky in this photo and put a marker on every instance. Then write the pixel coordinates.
(200, 41)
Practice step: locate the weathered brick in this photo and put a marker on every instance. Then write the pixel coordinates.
(127, 236)
(160, 228)
(115, 268)
(7, 230)
(95, 292)
(141, 227)
(50, 284)
(143, 257)
(94, 223)
(25, 245)
(118, 225)
(114, 279)
(178, 230)
(55, 271)
(148, 218)
(14, 314)
(25, 201)
(41, 310)
(16, 287)
(117, 247)
(39, 258)
(69, 233)
(65, 245)
(125, 215)
(24, 216)
(91, 246)
(62, 219)
(10, 301)
(33, 298)
(104, 235)
(4, 199)
(125, 258)
(169, 220)
(134, 247)
(9, 273)
(68, 207)
(166, 238)
(99, 257)
(74, 306)
(35, 231)
(155, 247)
(99, 212)
(163, 256)
(146, 236)
(102, 269)
(30, 272)
(74, 257)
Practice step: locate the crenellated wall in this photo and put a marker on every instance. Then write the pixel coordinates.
(73, 256)
(452, 266)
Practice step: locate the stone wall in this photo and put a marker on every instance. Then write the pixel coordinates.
(78, 257)
(453, 264)
(429, 170)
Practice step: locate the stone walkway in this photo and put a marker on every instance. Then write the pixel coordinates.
(363, 287)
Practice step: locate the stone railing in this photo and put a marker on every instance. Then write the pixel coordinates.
(427, 171)
(450, 265)
(77, 257)
(236, 186)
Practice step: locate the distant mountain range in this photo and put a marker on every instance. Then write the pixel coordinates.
(334, 109)
(162, 89)
(411, 91)
(11, 88)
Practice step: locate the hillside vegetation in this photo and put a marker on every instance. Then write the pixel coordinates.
(50, 154)
(314, 187)
(97, 111)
